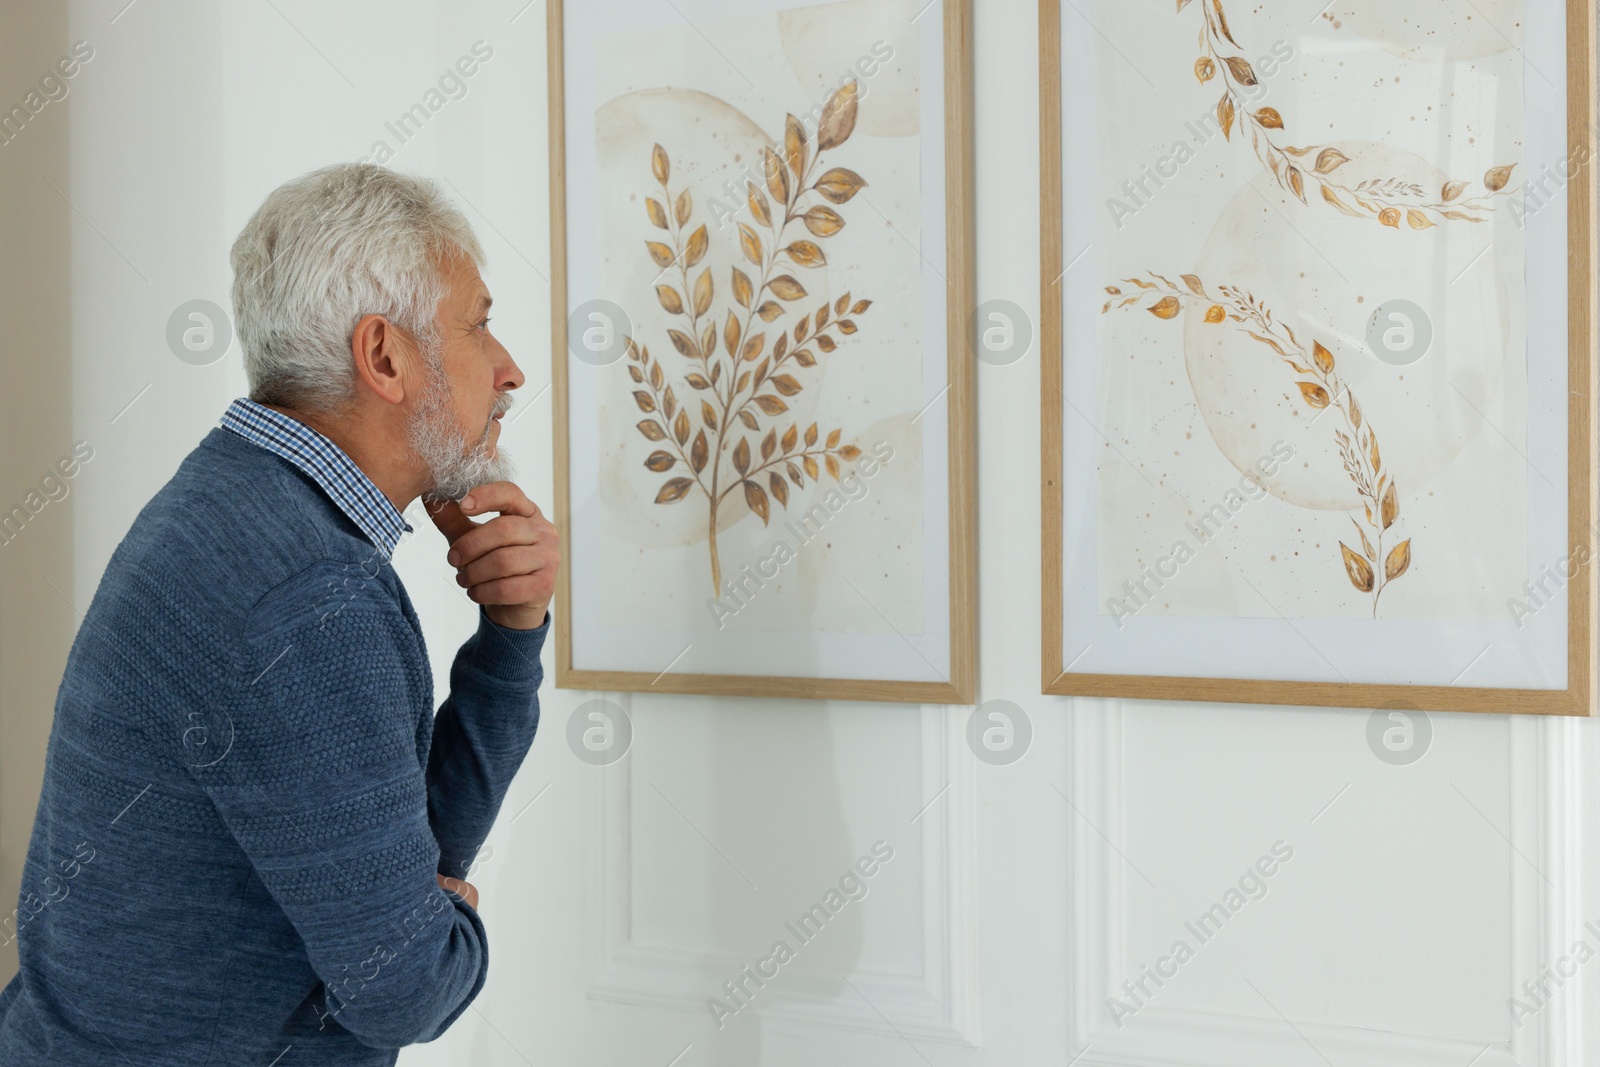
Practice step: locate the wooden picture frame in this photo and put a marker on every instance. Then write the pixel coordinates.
(1074, 646)
(931, 664)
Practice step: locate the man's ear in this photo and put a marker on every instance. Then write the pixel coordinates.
(382, 356)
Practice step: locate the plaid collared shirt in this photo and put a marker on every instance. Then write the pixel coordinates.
(326, 463)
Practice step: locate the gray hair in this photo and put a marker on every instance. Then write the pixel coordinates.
(321, 251)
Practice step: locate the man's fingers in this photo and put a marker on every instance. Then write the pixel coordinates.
(504, 497)
(518, 589)
(499, 532)
(503, 563)
(450, 519)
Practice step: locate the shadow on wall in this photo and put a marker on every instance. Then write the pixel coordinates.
(36, 623)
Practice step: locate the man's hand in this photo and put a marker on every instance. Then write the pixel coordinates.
(465, 890)
(507, 564)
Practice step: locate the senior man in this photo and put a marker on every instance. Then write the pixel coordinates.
(253, 830)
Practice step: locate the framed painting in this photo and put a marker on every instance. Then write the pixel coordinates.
(762, 274)
(1318, 376)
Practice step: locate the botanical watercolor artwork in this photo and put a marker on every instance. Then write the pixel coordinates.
(1264, 457)
(759, 222)
(740, 384)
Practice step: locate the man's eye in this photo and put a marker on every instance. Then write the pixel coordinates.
(484, 325)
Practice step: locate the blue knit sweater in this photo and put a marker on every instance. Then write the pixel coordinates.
(247, 794)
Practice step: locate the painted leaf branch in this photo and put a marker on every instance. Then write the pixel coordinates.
(1320, 387)
(1387, 200)
(737, 379)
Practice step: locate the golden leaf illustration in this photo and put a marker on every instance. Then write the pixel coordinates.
(699, 452)
(849, 452)
(839, 184)
(781, 346)
(1222, 22)
(859, 306)
(1397, 562)
(1225, 115)
(823, 221)
(730, 334)
(1314, 394)
(708, 344)
(1332, 198)
(832, 463)
(660, 253)
(771, 404)
(652, 429)
(702, 293)
(789, 436)
(769, 310)
(779, 487)
(1495, 180)
(696, 381)
(1417, 220)
(1328, 160)
(838, 118)
(811, 435)
(680, 427)
(1215, 313)
(806, 253)
(768, 443)
(1204, 69)
(708, 414)
(741, 455)
(674, 490)
(752, 347)
(784, 287)
(1366, 545)
(1390, 216)
(1241, 70)
(681, 208)
(756, 497)
(1165, 308)
(1452, 190)
(670, 299)
(847, 326)
(777, 177)
(758, 205)
(840, 304)
(833, 438)
(786, 384)
(661, 461)
(741, 289)
(746, 417)
(696, 250)
(804, 357)
(1390, 506)
(750, 243)
(1355, 412)
(659, 165)
(657, 213)
(1359, 570)
(1377, 459)
(826, 343)
(1269, 119)
(1323, 358)
(1296, 184)
(794, 145)
(1193, 282)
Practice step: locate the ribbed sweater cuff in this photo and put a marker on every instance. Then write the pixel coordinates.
(507, 653)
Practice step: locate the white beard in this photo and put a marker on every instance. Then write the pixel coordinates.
(454, 468)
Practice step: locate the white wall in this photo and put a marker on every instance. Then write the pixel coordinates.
(1417, 900)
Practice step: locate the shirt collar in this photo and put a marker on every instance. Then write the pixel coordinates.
(326, 463)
